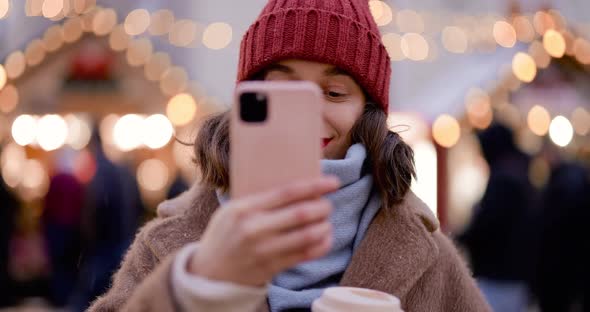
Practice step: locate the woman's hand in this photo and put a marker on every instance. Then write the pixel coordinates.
(251, 239)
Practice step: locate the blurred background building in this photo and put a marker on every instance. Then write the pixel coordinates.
(98, 97)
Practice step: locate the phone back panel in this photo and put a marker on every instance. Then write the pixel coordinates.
(283, 148)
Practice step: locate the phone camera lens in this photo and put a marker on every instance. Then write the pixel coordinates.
(253, 107)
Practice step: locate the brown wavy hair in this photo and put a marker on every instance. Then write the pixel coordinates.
(389, 158)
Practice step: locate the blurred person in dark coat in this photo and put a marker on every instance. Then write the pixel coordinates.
(8, 209)
(560, 280)
(497, 238)
(61, 229)
(178, 187)
(111, 216)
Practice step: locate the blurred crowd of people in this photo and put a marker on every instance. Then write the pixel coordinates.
(528, 246)
(69, 255)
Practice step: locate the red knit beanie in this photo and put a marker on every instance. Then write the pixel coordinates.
(342, 33)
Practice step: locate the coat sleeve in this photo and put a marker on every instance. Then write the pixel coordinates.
(141, 284)
(195, 293)
(447, 285)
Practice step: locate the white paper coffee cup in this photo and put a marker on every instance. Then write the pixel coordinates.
(349, 299)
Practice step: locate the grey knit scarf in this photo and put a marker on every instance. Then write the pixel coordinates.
(355, 205)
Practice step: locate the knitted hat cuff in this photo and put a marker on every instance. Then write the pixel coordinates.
(322, 36)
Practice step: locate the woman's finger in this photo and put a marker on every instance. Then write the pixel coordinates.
(293, 241)
(314, 251)
(285, 219)
(286, 195)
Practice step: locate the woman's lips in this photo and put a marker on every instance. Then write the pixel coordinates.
(326, 142)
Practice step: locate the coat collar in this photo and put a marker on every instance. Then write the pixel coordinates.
(186, 226)
(397, 248)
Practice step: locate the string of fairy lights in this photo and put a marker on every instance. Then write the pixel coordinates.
(173, 80)
(553, 40)
(125, 133)
(407, 34)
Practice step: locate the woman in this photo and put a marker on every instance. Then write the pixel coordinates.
(278, 250)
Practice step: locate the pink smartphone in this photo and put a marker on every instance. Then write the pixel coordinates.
(275, 135)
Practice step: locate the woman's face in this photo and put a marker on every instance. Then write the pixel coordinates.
(344, 100)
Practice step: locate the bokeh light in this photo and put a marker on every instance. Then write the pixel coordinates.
(411, 127)
(504, 34)
(381, 11)
(181, 109)
(162, 22)
(83, 6)
(52, 8)
(558, 19)
(173, 81)
(153, 175)
(12, 162)
(392, 43)
(543, 22)
(528, 142)
(184, 32)
(68, 9)
(139, 51)
(4, 8)
(414, 46)
(8, 98)
(479, 108)
(524, 29)
(119, 39)
(523, 67)
(539, 54)
(79, 132)
(554, 43)
(35, 179)
(53, 38)
(581, 120)
(217, 36)
(72, 29)
(88, 20)
(454, 39)
(538, 120)
(157, 131)
(582, 50)
(137, 22)
(35, 52)
(157, 65)
(127, 132)
(3, 77)
(33, 7)
(446, 131)
(106, 129)
(425, 184)
(52, 132)
(561, 131)
(104, 21)
(569, 43)
(24, 129)
(14, 65)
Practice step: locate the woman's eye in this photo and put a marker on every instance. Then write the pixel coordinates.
(333, 94)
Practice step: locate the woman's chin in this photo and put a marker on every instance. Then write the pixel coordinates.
(329, 152)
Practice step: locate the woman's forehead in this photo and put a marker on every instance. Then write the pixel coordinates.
(296, 66)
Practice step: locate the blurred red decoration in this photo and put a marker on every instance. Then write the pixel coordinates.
(92, 62)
